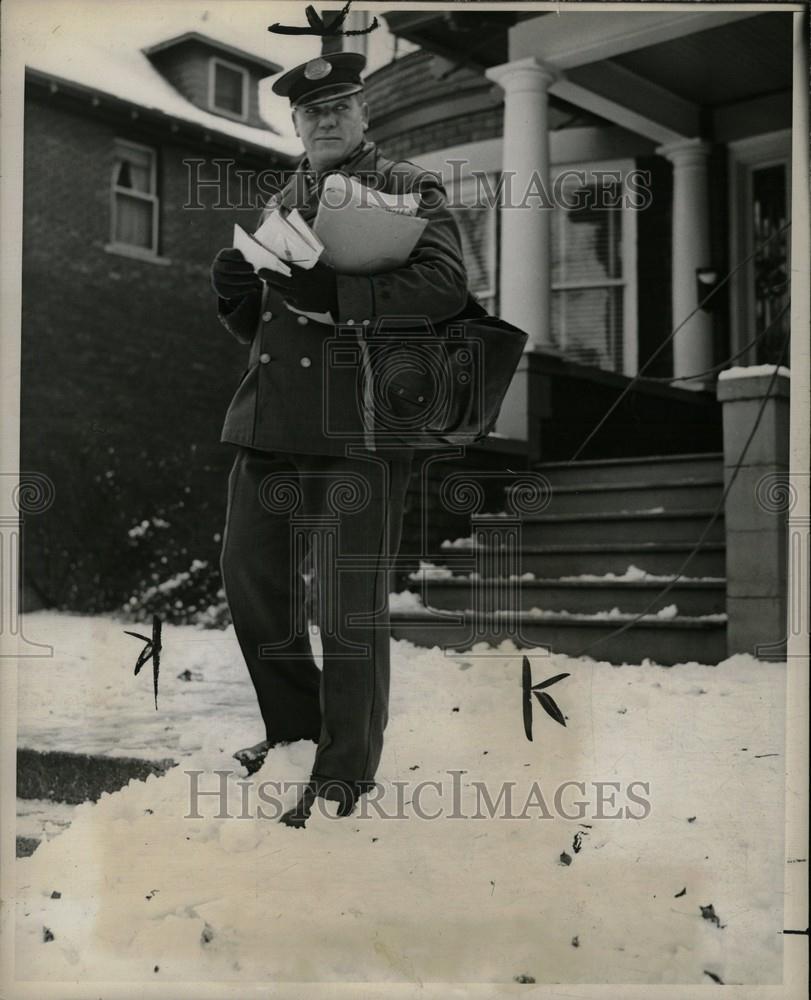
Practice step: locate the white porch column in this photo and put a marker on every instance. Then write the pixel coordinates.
(525, 256)
(692, 345)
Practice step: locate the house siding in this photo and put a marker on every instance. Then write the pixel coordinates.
(414, 109)
(186, 67)
(485, 124)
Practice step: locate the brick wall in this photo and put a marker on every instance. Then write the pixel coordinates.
(126, 372)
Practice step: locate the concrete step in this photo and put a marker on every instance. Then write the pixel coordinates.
(578, 596)
(678, 494)
(612, 527)
(647, 469)
(677, 640)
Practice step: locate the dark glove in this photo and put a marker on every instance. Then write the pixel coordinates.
(232, 277)
(313, 290)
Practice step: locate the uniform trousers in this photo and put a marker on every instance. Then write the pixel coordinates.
(340, 519)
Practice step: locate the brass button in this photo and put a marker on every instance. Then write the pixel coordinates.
(366, 322)
(302, 320)
(267, 317)
(350, 322)
(264, 358)
(305, 362)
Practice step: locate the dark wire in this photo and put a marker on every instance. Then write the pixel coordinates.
(664, 343)
(716, 512)
(734, 357)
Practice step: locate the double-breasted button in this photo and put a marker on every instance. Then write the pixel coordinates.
(305, 362)
(264, 358)
(267, 317)
(302, 320)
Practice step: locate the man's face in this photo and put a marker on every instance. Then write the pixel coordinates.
(330, 130)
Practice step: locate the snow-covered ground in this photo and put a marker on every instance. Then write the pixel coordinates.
(133, 891)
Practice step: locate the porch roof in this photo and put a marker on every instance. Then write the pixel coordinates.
(665, 75)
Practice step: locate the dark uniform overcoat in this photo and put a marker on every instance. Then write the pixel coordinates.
(300, 391)
(297, 421)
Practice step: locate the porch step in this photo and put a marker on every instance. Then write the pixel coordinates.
(647, 469)
(675, 494)
(667, 642)
(611, 526)
(594, 558)
(691, 597)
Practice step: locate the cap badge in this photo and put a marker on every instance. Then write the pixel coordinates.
(317, 69)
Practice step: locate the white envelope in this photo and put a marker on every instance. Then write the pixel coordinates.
(256, 254)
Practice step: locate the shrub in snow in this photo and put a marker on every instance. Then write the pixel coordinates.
(125, 519)
(191, 597)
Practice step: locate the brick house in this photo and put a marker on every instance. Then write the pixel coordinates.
(126, 373)
(598, 291)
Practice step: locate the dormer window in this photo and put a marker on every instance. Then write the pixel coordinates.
(228, 89)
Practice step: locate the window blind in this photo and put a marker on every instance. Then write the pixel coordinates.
(586, 277)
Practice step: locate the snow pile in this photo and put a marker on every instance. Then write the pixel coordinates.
(468, 542)
(634, 573)
(407, 600)
(139, 530)
(430, 571)
(39, 818)
(667, 613)
(752, 371)
(642, 510)
(134, 891)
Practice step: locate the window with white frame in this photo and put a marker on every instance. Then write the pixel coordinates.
(476, 219)
(593, 308)
(228, 88)
(135, 197)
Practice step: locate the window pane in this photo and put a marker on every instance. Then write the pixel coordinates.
(133, 222)
(478, 245)
(228, 89)
(134, 168)
(586, 242)
(587, 326)
(769, 211)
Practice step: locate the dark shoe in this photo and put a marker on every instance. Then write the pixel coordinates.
(343, 792)
(252, 758)
(297, 816)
